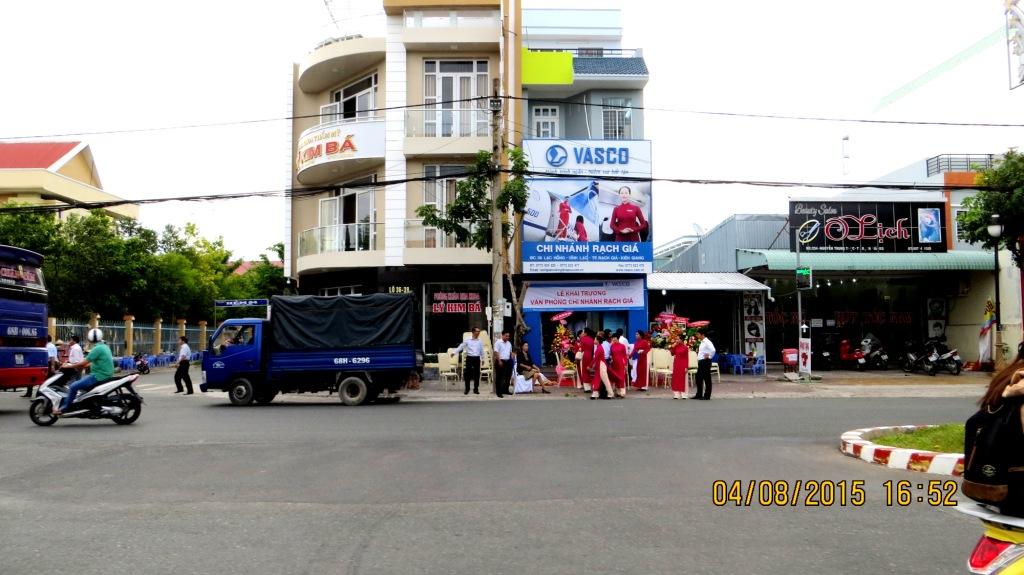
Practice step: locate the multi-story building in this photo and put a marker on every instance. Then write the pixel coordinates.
(54, 174)
(583, 125)
(385, 120)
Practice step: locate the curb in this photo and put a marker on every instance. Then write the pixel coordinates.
(856, 443)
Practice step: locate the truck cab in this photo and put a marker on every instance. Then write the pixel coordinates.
(235, 350)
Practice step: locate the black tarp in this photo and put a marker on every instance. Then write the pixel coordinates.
(311, 322)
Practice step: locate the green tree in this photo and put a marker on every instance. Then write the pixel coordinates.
(468, 216)
(36, 231)
(266, 279)
(1004, 196)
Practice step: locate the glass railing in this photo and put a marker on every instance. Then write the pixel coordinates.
(452, 18)
(436, 122)
(419, 236)
(330, 119)
(341, 238)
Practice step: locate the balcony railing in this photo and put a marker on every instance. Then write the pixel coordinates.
(331, 117)
(452, 18)
(419, 236)
(434, 122)
(960, 163)
(596, 52)
(340, 238)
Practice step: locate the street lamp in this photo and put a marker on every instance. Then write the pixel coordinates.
(995, 230)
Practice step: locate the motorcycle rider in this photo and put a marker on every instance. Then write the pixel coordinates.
(102, 362)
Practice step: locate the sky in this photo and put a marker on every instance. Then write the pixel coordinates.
(72, 66)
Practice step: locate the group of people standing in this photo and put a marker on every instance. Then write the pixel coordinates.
(603, 361)
(504, 362)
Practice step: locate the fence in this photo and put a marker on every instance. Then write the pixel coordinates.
(143, 335)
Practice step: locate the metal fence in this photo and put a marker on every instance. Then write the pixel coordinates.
(143, 334)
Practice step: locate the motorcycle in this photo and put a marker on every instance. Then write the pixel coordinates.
(850, 354)
(915, 358)
(948, 359)
(874, 353)
(1001, 548)
(114, 399)
(141, 364)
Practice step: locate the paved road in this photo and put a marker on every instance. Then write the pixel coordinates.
(199, 486)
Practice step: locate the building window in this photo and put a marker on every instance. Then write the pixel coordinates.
(448, 89)
(617, 118)
(545, 122)
(439, 191)
(348, 218)
(342, 290)
(961, 236)
(357, 100)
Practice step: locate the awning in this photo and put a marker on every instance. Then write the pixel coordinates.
(708, 281)
(786, 260)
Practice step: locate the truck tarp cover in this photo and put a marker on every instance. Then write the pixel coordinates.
(310, 322)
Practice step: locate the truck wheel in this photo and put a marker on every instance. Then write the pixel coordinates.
(241, 392)
(353, 391)
(265, 396)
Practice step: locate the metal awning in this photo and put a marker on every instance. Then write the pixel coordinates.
(786, 260)
(708, 281)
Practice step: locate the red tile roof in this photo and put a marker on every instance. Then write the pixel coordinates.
(33, 154)
(244, 268)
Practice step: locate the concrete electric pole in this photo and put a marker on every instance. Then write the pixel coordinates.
(495, 104)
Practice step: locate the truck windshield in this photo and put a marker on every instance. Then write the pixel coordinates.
(234, 335)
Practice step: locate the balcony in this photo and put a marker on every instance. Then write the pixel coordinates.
(337, 59)
(960, 163)
(550, 72)
(456, 131)
(428, 246)
(449, 29)
(341, 246)
(338, 148)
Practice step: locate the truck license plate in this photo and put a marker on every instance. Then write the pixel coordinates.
(860, 360)
(19, 359)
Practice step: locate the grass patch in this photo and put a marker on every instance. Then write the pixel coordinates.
(948, 438)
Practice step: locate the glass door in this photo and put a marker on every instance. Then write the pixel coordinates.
(329, 229)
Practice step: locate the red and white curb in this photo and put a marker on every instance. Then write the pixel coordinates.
(857, 444)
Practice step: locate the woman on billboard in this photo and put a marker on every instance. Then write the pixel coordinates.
(627, 221)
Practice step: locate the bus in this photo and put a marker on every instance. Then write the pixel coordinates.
(23, 360)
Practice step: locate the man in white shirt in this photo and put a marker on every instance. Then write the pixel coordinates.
(704, 354)
(75, 354)
(474, 348)
(184, 361)
(503, 364)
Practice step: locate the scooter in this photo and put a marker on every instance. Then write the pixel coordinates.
(874, 353)
(915, 358)
(948, 359)
(1001, 548)
(114, 399)
(141, 364)
(850, 354)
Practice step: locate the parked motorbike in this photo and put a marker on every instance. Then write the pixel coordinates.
(915, 358)
(851, 356)
(874, 353)
(141, 364)
(1001, 547)
(948, 359)
(114, 399)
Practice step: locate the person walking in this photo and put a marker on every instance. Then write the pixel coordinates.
(618, 367)
(503, 364)
(680, 369)
(640, 350)
(184, 361)
(704, 355)
(587, 363)
(474, 349)
(600, 384)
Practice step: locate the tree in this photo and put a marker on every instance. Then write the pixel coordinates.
(468, 217)
(266, 279)
(1004, 196)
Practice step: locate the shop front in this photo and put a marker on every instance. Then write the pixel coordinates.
(597, 304)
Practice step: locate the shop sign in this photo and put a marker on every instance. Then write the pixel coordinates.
(456, 302)
(752, 326)
(590, 157)
(561, 316)
(869, 227)
(354, 140)
(398, 289)
(805, 355)
(585, 295)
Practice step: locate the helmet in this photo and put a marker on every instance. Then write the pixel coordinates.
(95, 335)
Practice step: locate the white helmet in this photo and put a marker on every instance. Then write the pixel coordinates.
(95, 335)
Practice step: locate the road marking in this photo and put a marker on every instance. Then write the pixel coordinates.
(154, 387)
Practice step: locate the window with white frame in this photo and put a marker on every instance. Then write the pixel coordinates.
(342, 290)
(348, 217)
(545, 121)
(616, 117)
(439, 190)
(960, 233)
(446, 84)
(357, 100)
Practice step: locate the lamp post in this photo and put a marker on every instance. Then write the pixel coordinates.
(995, 230)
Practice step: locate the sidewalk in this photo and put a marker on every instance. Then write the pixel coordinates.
(834, 384)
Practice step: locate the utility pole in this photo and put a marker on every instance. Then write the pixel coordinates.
(497, 240)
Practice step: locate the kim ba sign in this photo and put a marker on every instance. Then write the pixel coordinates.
(867, 227)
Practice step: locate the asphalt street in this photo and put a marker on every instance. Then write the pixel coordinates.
(306, 485)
